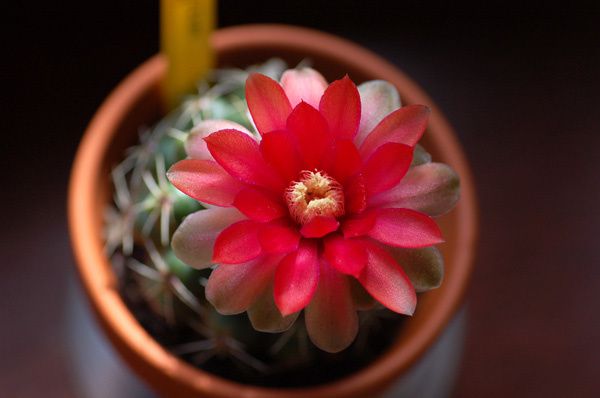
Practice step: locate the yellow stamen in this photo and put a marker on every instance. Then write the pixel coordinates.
(315, 194)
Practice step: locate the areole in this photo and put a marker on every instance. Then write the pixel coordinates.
(136, 102)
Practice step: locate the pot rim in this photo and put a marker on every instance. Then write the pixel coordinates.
(153, 362)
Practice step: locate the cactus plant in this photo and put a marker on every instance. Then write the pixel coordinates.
(188, 273)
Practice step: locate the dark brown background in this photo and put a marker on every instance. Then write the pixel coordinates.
(520, 83)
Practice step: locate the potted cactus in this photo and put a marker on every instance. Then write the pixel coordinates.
(274, 223)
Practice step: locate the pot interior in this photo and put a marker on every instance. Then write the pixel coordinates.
(334, 58)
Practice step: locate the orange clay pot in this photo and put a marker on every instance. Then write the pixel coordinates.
(136, 102)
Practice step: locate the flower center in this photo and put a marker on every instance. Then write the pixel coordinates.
(315, 194)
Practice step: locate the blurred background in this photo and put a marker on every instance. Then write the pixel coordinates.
(520, 82)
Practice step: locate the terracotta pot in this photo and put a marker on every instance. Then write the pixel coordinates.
(136, 102)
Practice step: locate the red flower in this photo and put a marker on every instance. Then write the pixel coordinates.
(307, 209)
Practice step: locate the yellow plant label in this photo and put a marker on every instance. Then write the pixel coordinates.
(186, 27)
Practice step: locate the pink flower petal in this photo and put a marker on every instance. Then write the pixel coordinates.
(195, 146)
(340, 106)
(240, 156)
(237, 243)
(303, 84)
(265, 316)
(431, 188)
(347, 255)
(259, 204)
(359, 224)
(267, 102)
(346, 161)
(404, 126)
(194, 239)
(331, 319)
(405, 228)
(232, 289)
(386, 167)
(278, 237)
(279, 150)
(319, 226)
(355, 195)
(205, 181)
(296, 278)
(378, 98)
(385, 280)
(424, 267)
(312, 134)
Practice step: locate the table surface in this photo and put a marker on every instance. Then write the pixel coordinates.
(523, 93)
